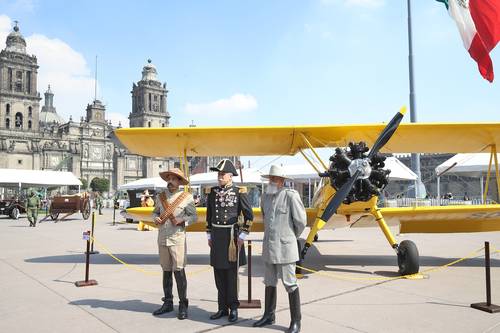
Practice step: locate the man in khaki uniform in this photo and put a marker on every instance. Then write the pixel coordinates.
(284, 220)
(32, 204)
(174, 210)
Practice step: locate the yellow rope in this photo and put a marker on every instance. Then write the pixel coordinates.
(136, 267)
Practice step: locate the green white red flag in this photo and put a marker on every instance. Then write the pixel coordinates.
(479, 24)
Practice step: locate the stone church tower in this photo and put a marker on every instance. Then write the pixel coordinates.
(19, 99)
(149, 100)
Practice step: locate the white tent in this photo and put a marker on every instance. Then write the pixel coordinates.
(469, 165)
(250, 176)
(399, 171)
(42, 178)
(144, 183)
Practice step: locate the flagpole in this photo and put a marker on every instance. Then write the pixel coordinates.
(415, 158)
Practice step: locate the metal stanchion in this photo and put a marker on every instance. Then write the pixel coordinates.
(86, 282)
(92, 234)
(115, 203)
(487, 307)
(250, 303)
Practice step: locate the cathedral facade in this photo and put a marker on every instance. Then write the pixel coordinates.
(36, 139)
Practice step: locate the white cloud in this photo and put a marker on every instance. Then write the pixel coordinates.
(64, 68)
(117, 118)
(234, 104)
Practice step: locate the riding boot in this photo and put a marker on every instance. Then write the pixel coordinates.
(270, 307)
(295, 315)
(168, 304)
(181, 281)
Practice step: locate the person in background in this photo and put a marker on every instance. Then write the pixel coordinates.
(146, 200)
(32, 205)
(98, 202)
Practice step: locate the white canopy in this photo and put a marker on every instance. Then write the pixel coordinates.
(250, 176)
(470, 165)
(42, 178)
(144, 183)
(399, 171)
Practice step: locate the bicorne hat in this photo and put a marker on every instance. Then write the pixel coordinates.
(225, 166)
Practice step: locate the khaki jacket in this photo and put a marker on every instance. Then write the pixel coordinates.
(284, 220)
(169, 234)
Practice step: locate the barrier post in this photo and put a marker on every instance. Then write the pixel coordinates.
(86, 282)
(250, 303)
(92, 236)
(487, 307)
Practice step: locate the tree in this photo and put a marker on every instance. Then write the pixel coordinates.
(99, 184)
(85, 183)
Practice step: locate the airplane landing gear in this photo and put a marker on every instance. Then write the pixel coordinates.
(408, 258)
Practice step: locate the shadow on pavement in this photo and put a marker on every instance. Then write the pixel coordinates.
(136, 305)
(104, 259)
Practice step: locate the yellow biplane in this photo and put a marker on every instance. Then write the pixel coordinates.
(352, 181)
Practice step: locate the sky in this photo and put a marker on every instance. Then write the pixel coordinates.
(261, 62)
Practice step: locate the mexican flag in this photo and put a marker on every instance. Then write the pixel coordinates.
(479, 24)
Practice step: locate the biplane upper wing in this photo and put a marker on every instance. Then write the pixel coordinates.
(442, 219)
(288, 140)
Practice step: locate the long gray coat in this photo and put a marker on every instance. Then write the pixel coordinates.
(284, 220)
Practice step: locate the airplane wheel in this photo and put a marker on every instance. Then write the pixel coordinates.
(54, 216)
(408, 258)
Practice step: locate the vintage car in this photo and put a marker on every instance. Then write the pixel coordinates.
(70, 204)
(12, 207)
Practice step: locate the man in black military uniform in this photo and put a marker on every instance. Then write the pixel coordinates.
(225, 203)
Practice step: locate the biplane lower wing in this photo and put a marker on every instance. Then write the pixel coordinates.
(442, 219)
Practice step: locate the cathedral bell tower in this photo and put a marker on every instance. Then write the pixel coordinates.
(19, 99)
(149, 100)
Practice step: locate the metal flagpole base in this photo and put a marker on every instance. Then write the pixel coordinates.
(250, 304)
(86, 283)
(483, 306)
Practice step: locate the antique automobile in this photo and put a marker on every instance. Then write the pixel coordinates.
(69, 204)
(12, 207)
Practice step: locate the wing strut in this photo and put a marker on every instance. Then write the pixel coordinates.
(493, 157)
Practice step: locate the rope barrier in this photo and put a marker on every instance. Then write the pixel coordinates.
(381, 278)
(136, 267)
(328, 275)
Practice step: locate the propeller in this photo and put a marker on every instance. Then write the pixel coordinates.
(360, 168)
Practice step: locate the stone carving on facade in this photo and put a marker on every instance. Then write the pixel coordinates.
(96, 153)
(108, 152)
(85, 151)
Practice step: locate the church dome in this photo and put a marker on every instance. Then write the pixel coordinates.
(49, 117)
(149, 72)
(15, 41)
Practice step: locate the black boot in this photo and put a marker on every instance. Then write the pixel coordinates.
(181, 281)
(219, 314)
(233, 315)
(294, 299)
(168, 304)
(268, 318)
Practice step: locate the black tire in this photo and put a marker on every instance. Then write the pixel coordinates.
(54, 216)
(408, 258)
(15, 213)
